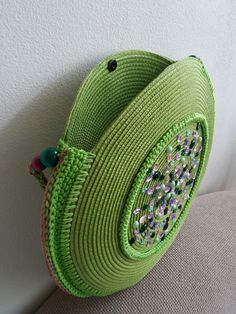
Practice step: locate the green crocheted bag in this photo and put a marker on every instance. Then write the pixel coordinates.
(125, 171)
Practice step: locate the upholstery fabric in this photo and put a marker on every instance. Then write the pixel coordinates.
(196, 275)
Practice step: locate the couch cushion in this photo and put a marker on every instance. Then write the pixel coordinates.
(196, 275)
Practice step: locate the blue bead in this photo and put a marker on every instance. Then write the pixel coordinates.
(49, 157)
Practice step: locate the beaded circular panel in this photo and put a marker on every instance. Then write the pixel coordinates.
(165, 189)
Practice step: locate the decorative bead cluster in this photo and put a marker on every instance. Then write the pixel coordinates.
(166, 189)
(48, 158)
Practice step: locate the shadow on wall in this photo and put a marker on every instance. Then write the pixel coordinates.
(40, 124)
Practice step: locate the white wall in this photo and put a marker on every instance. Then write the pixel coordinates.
(46, 49)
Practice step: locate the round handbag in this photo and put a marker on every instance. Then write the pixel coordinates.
(125, 171)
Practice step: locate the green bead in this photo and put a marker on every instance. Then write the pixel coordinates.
(49, 157)
(150, 209)
(168, 196)
(188, 133)
(169, 149)
(172, 184)
(183, 159)
(136, 224)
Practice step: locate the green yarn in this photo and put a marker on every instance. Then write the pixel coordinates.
(134, 192)
(104, 95)
(60, 201)
(119, 123)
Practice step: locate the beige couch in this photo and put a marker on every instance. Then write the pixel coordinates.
(197, 274)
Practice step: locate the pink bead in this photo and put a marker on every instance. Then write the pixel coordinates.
(37, 165)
